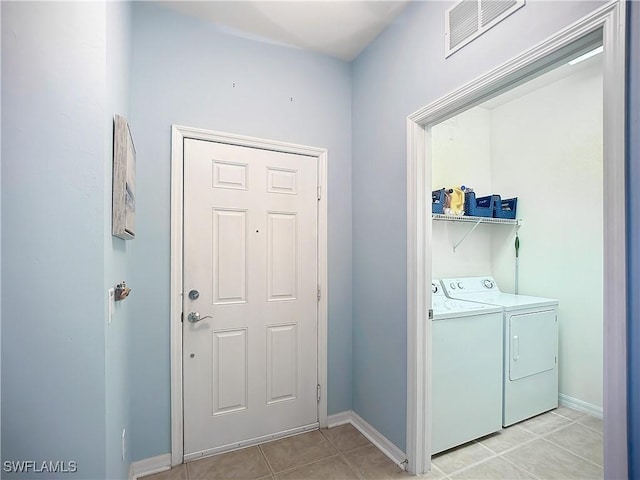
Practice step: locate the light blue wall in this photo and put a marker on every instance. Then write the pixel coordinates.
(633, 219)
(64, 374)
(403, 70)
(117, 252)
(183, 73)
(53, 182)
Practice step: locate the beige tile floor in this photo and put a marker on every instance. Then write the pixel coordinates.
(327, 454)
(559, 445)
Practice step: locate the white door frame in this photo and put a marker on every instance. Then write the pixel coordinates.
(610, 21)
(178, 134)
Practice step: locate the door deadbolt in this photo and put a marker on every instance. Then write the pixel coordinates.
(194, 294)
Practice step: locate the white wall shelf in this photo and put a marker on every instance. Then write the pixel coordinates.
(517, 222)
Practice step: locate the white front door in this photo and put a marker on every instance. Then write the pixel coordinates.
(250, 272)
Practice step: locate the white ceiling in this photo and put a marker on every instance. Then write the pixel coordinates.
(338, 28)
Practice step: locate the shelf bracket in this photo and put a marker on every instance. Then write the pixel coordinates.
(475, 225)
(516, 222)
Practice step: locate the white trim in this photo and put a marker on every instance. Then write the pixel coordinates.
(249, 443)
(177, 427)
(579, 405)
(149, 466)
(418, 301)
(615, 251)
(178, 134)
(337, 419)
(381, 442)
(610, 19)
(323, 282)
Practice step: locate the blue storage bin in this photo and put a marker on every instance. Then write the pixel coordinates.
(505, 207)
(478, 207)
(437, 201)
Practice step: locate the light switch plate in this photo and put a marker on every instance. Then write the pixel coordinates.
(111, 300)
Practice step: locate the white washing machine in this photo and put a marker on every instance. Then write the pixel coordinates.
(467, 370)
(530, 324)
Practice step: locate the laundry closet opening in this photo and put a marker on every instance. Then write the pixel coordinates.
(533, 158)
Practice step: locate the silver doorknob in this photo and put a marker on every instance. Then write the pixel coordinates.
(194, 317)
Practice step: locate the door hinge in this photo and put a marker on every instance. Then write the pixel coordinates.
(181, 317)
(319, 192)
(319, 295)
(431, 314)
(318, 391)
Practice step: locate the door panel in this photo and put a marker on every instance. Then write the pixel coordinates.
(229, 273)
(282, 352)
(229, 367)
(282, 255)
(250, 250)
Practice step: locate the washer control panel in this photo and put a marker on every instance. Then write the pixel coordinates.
(455, 285)
(436, 290)
(469, 285)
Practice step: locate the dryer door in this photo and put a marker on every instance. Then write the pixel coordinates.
(533, 345)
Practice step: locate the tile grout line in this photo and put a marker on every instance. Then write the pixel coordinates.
(352, 467)
(536, 436)
(572, 453)
(521, 468)
(370, 445)
(543, 436)
(573, 422)
(590, 428)
(308, 463)
(264, 456)
(474, 464)
(288, 470)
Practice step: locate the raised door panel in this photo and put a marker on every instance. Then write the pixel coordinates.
(229, 256)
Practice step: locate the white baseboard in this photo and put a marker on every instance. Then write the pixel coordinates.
(396, 455)
(580, 405)
(149, 466)
(338, 419)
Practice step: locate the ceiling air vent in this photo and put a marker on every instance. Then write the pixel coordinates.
(468, 19)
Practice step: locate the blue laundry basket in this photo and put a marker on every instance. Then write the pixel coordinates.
(478, 207)
(505, 207)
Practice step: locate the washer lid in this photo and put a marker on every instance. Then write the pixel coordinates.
(509, 301)
(448, 308)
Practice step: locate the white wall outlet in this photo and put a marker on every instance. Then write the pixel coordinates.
(124, 445)
(111, 301)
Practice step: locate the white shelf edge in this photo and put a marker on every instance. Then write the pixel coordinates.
(469, 219)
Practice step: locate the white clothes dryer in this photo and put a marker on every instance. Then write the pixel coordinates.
(530, 327)
(466, 370)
